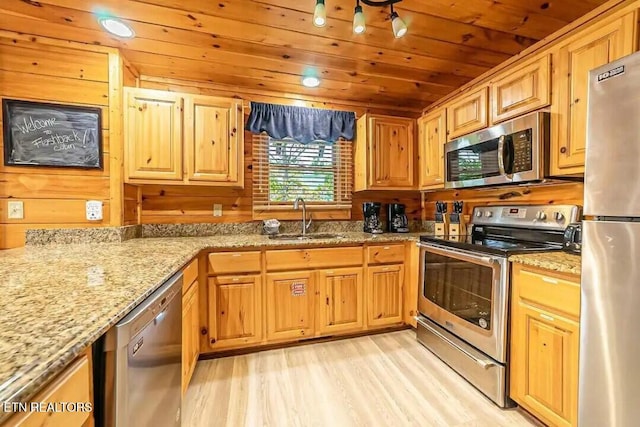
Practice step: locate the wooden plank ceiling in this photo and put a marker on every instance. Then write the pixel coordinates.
(266, 45)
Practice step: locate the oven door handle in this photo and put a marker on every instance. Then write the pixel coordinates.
(483, 363)
(476, 259)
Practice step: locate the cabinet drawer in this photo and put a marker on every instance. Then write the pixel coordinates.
(72, 385)
(234, 262)
(300, 259)
(385, 254)
(190, 274)
(548, 290)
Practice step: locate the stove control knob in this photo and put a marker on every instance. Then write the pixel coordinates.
(559, 216)
(541, 216)
(478, 214)
(488, 214)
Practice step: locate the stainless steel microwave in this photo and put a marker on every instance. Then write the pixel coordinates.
(511, 152)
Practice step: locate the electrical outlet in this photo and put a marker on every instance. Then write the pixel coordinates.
(217, 209)
(94, 210)
(15, 209)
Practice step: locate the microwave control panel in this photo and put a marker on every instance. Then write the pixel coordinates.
(522, 151)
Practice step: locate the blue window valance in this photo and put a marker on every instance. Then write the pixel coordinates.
(301, 124)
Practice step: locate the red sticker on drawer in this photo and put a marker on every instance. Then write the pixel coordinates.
(298, 289)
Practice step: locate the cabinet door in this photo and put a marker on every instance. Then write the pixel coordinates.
(341, 300)
(235, 311)
(468, 114)
(526, 89)
(190, 334)
(572, 63)
(153, 135)
(432, 130)
(544, 364)
(384, 294)
(214, 140)
(391, 153)
(290, 305)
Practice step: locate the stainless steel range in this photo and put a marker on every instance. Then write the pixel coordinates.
(464, 298)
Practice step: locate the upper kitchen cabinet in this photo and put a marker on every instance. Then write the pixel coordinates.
(519, 91)
(572, 61)
(153, 135)
(183, 139)
(432, 135)
(384, 153)
(213, 139)
(468, 113)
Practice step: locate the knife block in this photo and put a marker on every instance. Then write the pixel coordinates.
(442, 227)
(458, 229)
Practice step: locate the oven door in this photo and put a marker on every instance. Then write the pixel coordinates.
(468, 294)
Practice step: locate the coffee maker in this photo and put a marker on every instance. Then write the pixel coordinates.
(372, 223)
(396, 218)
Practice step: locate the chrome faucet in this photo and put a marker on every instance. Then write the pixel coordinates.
(305, 224)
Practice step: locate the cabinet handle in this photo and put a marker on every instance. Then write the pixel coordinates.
(550, 280)
(547, 317)
(386, 247)
(563, 150)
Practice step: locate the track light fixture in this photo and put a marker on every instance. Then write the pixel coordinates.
(398, 26)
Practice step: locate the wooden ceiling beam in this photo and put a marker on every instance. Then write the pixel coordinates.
(255, 33)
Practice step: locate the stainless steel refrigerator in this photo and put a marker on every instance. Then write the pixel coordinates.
(609, 393)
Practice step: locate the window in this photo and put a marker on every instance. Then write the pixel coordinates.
(284, 170)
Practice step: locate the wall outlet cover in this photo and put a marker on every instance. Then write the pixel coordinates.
(217, 209)
(15, 209)
(94, 210)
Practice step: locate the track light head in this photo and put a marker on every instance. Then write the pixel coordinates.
(397, 24)
(359, 25)
(320, 14)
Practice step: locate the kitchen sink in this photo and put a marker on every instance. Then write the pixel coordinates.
(310, 236)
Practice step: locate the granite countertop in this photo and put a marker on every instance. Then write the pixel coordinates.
(561, 262)
(58, 299)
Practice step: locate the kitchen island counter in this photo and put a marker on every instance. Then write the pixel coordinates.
(59, 299)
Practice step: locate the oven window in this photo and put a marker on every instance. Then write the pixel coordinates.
(462, 288)
(474, 162)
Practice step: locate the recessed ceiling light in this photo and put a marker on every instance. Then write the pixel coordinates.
(310, 81)
(117, 27)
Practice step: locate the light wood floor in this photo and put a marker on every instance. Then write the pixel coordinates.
(379, 380)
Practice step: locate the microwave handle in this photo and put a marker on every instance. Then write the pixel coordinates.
(501, 147)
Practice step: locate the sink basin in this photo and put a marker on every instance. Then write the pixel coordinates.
(310, 236)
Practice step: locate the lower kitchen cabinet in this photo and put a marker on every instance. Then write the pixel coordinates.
(384, 294)
(190, 333)
(341, 300)
(235, 310)
(545, 341)
(290, 304)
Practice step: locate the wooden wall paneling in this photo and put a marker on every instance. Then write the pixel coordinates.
(31, 69)
(559, 193)
(132, 204)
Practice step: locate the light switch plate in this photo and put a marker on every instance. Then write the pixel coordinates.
(94, 210)
(217, 209)
(15, 209)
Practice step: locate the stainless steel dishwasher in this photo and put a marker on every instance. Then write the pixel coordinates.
(142, 363)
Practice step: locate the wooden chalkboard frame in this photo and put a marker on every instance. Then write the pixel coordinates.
(7, 104)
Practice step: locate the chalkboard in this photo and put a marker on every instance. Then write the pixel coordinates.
(43, 134)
